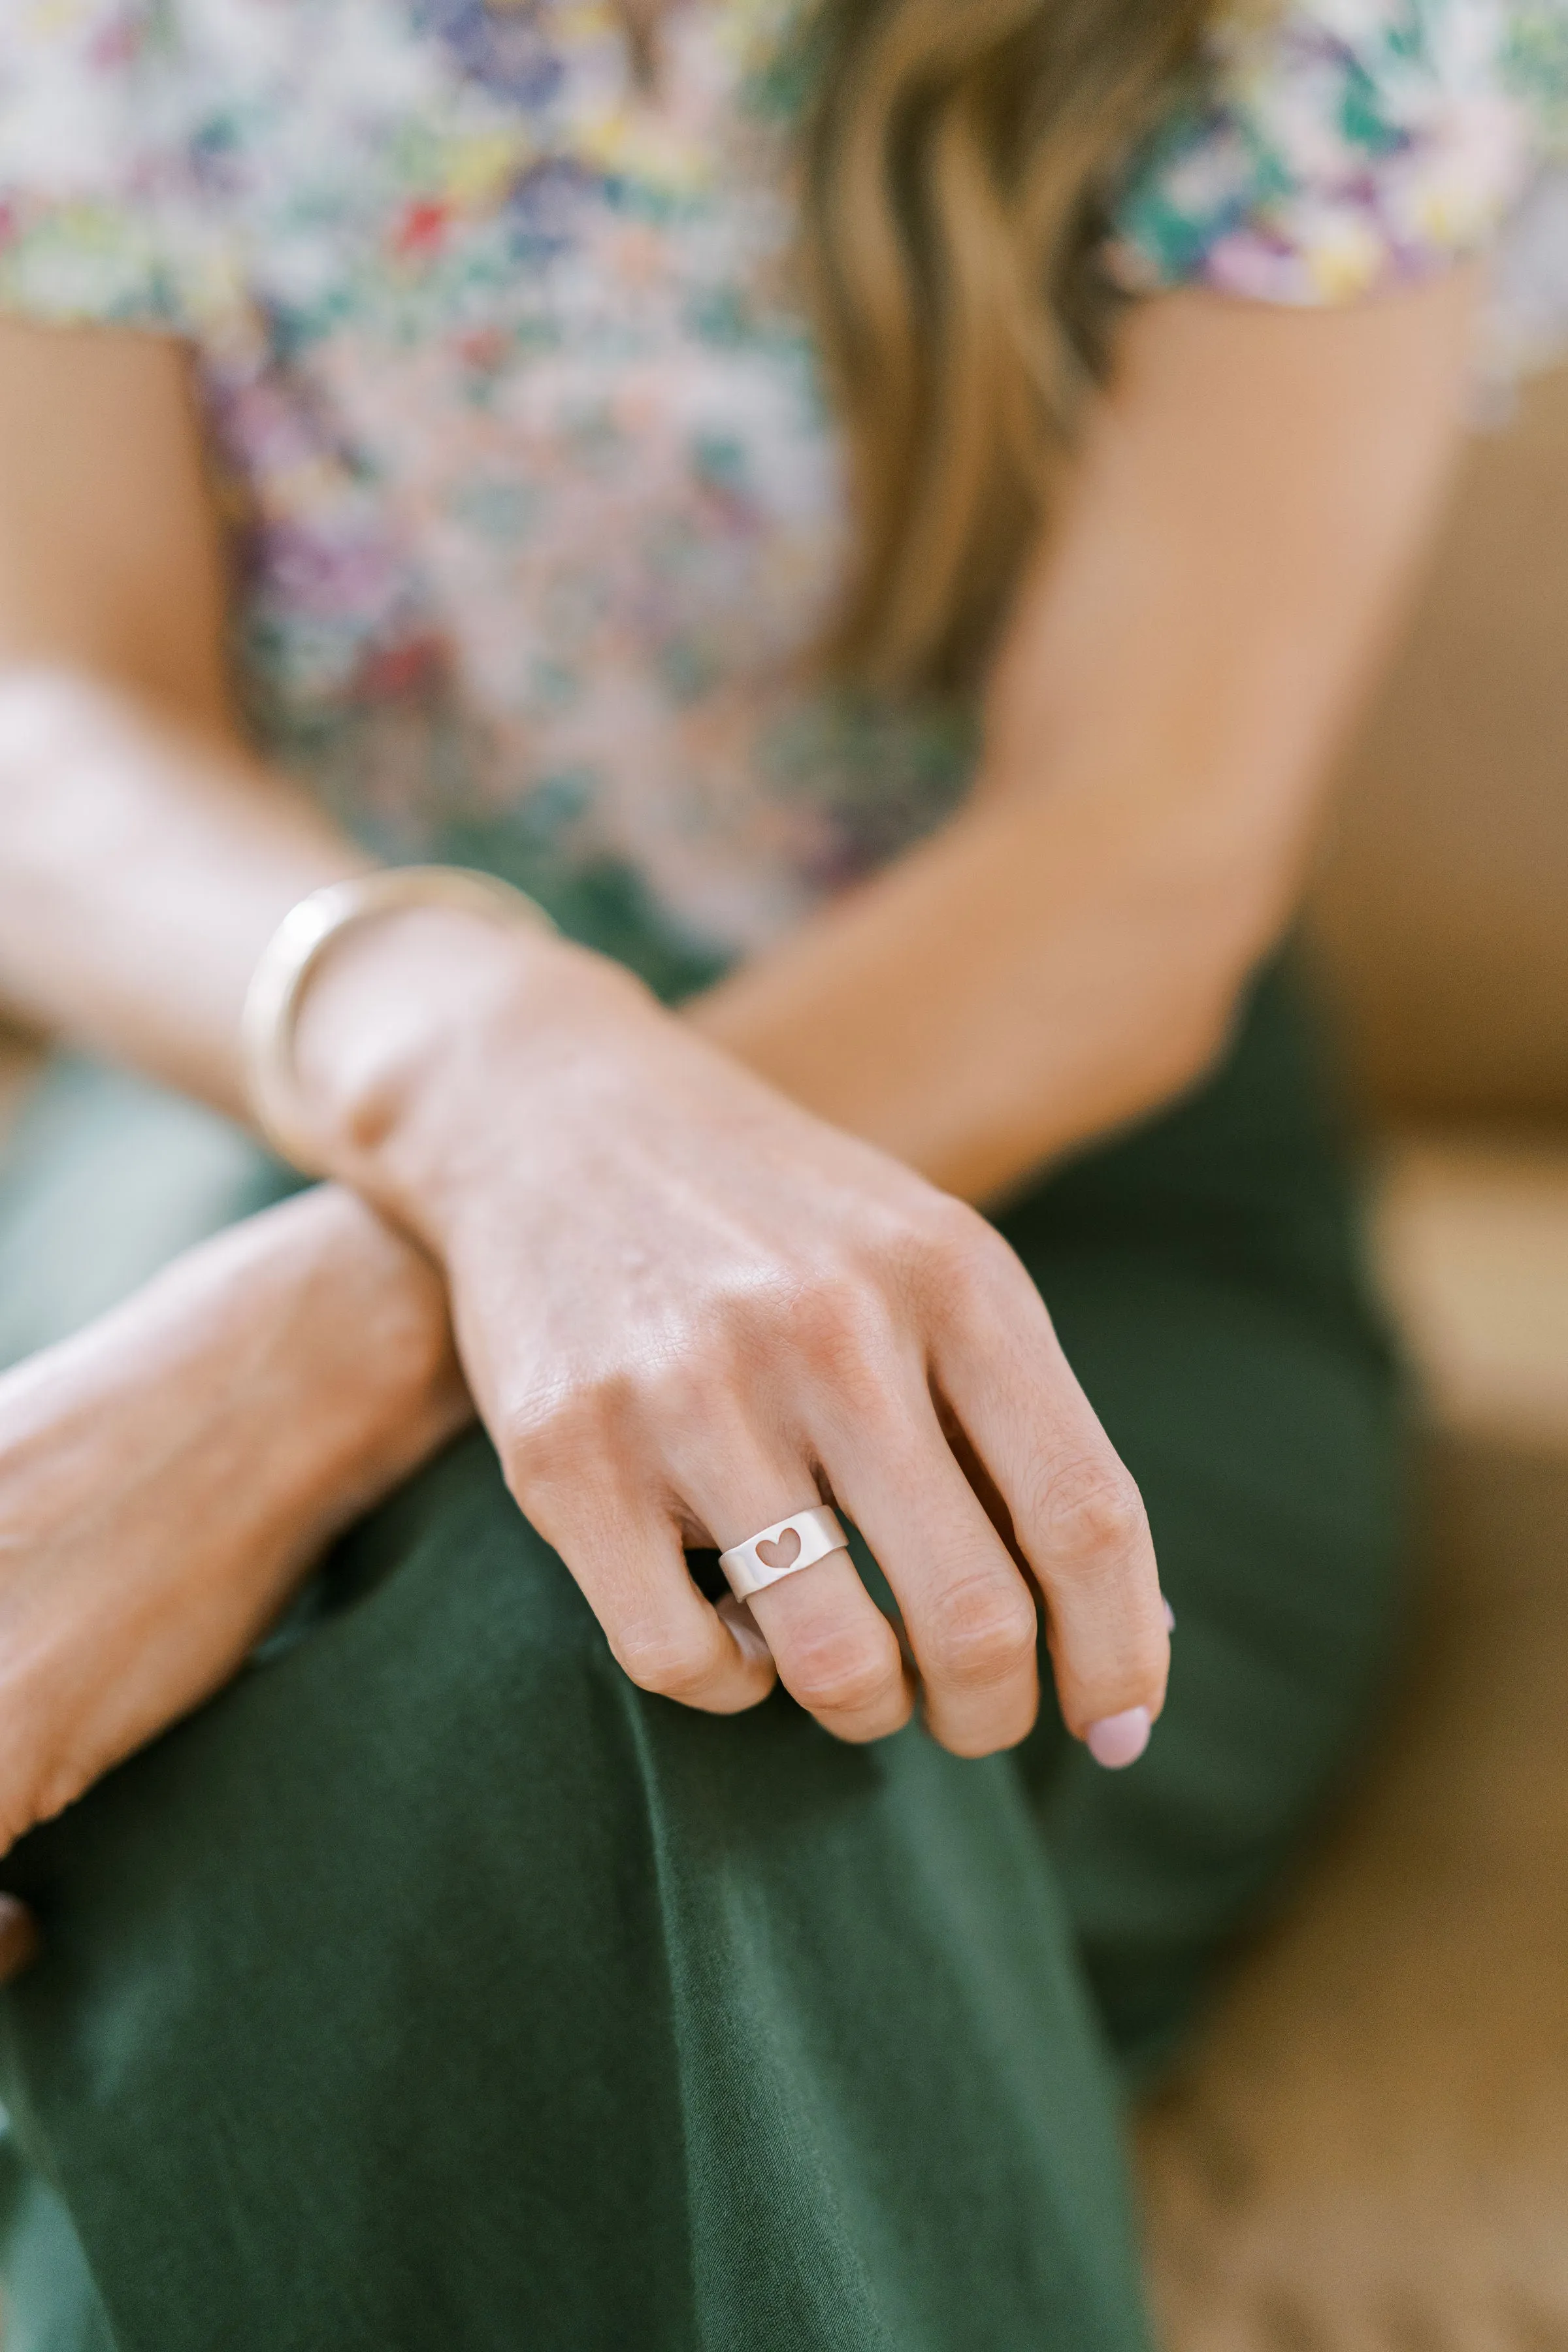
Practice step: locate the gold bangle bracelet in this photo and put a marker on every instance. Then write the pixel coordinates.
(293, 954)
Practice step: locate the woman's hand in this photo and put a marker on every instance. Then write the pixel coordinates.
(761, 1300)
(688, 1309)
(169, 1475)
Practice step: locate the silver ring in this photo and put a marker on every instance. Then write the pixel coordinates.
(781, 1551)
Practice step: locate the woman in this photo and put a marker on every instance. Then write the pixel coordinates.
(415, 449)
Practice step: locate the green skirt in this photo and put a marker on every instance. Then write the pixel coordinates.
(434, 1990)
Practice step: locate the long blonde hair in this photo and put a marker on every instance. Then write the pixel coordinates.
(960, 158)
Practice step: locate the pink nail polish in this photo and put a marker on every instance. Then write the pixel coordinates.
(1119, 1739)
(1170, 1616)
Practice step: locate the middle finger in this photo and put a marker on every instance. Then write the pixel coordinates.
(970, 1617)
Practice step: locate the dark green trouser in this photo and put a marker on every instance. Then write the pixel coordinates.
(434, 1990)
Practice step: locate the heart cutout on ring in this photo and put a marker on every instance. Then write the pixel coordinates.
(783, 1554)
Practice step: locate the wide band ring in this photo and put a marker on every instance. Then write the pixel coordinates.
(781, 1551)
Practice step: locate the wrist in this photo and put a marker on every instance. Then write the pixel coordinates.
(339, 1373)
(412, 1024)
(234, 1416)
(362, 1313)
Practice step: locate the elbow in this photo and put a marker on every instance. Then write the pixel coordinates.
(1185, 1045)
(1208, 979)
(1199, 1037)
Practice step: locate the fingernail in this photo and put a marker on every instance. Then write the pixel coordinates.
(18, 1937)
(1119, 1740)
(745, 1631)
(1170, 1616)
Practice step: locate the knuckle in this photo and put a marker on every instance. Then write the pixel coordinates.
(692, 1384)
(957, 1231)
(663, 1659)
(1092, 1515)
(845, 1673)
(841, 1323)
(695, 1418)
(551, 1438)
(686, 1410)
(693, 1408)
(983, 1632)
(965, 1256)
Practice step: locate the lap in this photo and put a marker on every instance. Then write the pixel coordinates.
(503, 2003)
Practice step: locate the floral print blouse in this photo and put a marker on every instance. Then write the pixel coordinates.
(521, 430)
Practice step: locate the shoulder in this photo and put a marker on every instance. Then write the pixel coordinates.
(1338, 148)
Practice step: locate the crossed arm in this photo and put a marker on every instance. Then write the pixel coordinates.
(1251, 501)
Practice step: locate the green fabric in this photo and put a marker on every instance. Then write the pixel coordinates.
(434, 1988)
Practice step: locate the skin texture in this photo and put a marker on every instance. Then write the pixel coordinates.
(106, 1431)
(663, 1340)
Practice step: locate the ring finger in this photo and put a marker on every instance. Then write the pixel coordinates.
(835, 1653)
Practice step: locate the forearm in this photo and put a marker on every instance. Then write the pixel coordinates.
(145, 869)
(286, 1372)
(1055, 961)
(1160, 723)
(1019, 981)
(167, 1475)
(1013, 988)
(1171, 687)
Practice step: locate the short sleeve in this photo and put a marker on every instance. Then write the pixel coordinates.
(105, 212)
(1340, 148)
(1535, 67)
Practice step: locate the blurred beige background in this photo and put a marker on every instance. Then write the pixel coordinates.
(1369, 2149)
